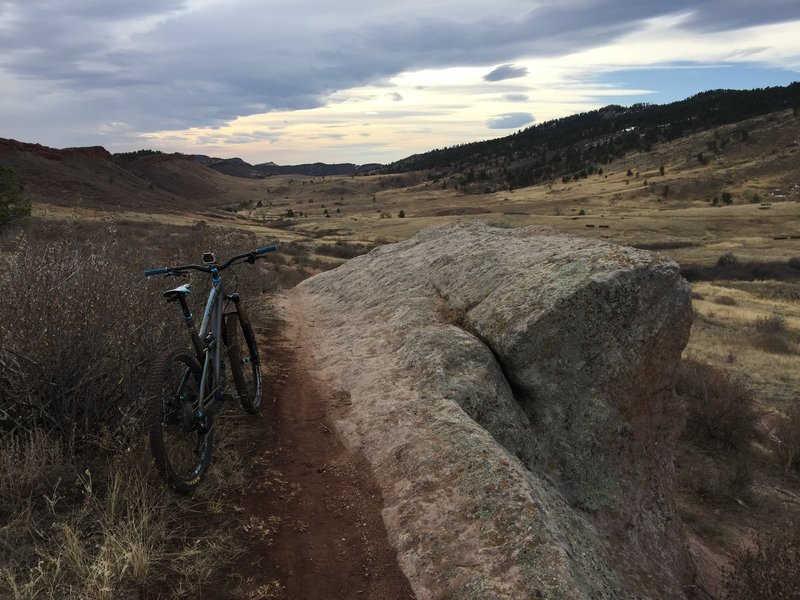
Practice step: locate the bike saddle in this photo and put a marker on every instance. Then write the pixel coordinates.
(176, 293)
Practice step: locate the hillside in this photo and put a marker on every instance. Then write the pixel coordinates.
(240, 168)
(580, 145)
(138, 182)
(181, 175)
(85, 177)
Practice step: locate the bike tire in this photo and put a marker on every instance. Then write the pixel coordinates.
(245, 364)
(181, 448)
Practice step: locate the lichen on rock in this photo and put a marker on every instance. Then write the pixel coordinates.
(516, 406)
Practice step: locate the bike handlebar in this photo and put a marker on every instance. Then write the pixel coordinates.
(249, 256)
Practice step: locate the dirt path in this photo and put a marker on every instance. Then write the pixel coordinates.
(329, 541)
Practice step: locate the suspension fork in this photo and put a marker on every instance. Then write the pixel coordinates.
(237, 303)
(240, 311)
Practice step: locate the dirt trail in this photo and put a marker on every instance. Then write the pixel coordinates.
(331, 543)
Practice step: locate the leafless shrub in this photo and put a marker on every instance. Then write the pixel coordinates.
(729, 267)
(343, 250)
(771, 335)
(727, 260)
(769, 568)
(719, 477)
(78, 335)
(787, 439)
(81, 517)
(725, 300)
(720, 407)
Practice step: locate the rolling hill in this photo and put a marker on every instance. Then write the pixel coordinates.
(580, 145)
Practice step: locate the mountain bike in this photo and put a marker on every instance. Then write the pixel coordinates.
(186, 388)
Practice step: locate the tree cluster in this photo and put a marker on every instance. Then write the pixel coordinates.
(13, 203)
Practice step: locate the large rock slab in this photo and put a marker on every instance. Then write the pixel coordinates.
(512, 390)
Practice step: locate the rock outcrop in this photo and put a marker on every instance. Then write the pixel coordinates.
(512, 390)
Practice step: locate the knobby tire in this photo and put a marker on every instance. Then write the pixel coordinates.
(182, 452)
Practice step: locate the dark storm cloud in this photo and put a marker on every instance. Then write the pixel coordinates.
(169, 64)
(510, 121)
(505, 72)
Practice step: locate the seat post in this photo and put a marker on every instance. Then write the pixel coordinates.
(189, 320)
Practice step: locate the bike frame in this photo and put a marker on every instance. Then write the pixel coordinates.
(207, 342)
(211, 335)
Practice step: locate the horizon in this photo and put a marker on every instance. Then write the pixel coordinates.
(379, 83)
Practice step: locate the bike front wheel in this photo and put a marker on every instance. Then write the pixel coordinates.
(245, 364)
(181, 439)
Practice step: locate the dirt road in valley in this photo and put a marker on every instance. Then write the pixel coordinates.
(330, 542)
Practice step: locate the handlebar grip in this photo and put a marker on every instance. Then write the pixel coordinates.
(266, 249)
(149, 272)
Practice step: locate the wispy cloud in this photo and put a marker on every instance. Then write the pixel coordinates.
(506, 72)
(510, 121)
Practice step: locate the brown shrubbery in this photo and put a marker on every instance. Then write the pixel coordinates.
(787, 439)
(769, 568)
(725, 300)
(720, 407)
(771, 335)
(79, 515)
(714, 460)
(343, 250)
(729, 267)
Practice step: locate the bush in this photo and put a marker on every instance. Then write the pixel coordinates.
(727, 260)
(13, 203)
(80, 516)
(718, 478)
(343, 250)
(786, 444)
(81, 324)
(729, 267)
(771, 335)
(720, 408)
(725, 300)
(78, 335)
(769, 568)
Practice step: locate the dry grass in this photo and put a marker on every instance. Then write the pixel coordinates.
(720, 331)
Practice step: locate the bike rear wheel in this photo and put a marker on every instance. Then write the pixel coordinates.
(245, 363)
(181, 440)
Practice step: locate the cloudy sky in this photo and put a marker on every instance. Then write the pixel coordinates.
(363, 80)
